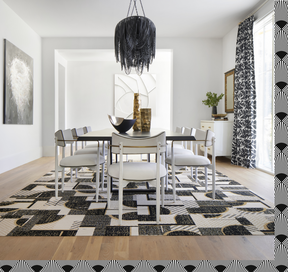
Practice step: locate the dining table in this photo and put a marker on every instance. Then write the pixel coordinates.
(106, 135)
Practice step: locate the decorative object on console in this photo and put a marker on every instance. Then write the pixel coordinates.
(220, 117)
(18, 86)
(136, 112)
(212, 101)
(134, 41)
(121, 124)
(145, 119)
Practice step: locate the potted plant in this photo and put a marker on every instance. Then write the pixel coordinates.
(212, 101)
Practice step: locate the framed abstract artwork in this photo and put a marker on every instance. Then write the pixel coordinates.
(229, 90)
(124, 89)
(18, 86)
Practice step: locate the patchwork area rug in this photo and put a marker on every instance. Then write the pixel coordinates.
(34, 211)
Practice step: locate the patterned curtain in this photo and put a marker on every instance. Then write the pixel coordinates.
(244, 127)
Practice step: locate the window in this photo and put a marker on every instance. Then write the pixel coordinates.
(263, 51)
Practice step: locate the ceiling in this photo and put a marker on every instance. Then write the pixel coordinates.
(98, 18)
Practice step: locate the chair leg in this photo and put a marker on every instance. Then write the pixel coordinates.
(56, 181)
(162, 192)
(173, 183)
(191, 172)
(108, 191)
(102, 179)
(63, 174)
(158, 201)
(196, 174)
(166, 177)
(76, 172)
(71, 174)
(97, 183)
(206, 180)
(120, 199)
(213, 182)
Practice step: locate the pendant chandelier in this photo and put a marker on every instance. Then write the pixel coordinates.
(134, 41)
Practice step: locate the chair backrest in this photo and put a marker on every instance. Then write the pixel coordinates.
(210, 134)
(87, 129)
(205, 136)
(147, 145)
(60, 138)
(187, 131)
(179, 129)
(77, 132)
(68, 136)
(64, 137)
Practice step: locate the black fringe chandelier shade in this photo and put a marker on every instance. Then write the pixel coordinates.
(135, 42)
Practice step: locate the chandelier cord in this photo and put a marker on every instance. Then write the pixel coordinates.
(129, 8)
(135, 6)
(142, 8)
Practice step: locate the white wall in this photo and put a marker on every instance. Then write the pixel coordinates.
(90, 94)
(197, 69)
(20, 144)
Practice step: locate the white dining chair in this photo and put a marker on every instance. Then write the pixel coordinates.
(178, 160)
(80, 131)
(141, 171)
(182, 147)
(104, 144)
(176, 145)
(92, 161)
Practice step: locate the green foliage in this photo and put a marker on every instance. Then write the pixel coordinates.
(212, 99)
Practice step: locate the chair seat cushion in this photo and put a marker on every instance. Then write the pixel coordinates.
(136, 171)
(87, 151)
(88, 160)
(188, 160)
(175, 147)
(182, 151)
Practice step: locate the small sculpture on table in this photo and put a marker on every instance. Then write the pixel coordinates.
(145, 119)
(121, 124)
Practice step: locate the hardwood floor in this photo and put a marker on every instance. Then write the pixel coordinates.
(137, 248)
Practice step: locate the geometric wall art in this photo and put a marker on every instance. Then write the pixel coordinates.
(18, 85)
(124, 89)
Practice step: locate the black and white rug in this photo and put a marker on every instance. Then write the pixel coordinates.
(34, 211)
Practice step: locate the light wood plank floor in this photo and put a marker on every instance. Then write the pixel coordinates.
(137, 248)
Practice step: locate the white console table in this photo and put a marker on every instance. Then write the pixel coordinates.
(223, 132)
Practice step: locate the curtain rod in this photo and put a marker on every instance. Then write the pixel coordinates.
(254, 11)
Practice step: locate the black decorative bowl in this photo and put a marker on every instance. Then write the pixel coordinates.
(121, 124)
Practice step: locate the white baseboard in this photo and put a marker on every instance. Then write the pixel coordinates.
(48, 151)
(12, 161)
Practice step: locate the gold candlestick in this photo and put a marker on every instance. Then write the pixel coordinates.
(136, 112)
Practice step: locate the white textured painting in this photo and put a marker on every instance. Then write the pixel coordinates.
(18, 86)
(126, 86)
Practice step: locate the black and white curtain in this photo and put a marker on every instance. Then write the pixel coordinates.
(244, 127)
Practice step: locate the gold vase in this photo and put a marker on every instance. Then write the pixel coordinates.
(145, 119)
(136, 113)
